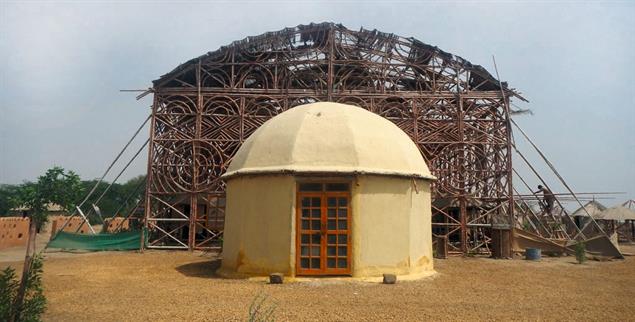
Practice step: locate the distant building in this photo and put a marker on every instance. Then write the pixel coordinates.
(593, 208)
(582, 220)
(51, 208)
(616, 219)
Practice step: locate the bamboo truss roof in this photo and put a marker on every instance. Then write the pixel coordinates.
(309, 37)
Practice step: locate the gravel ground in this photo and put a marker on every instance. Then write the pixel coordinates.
(180, 286)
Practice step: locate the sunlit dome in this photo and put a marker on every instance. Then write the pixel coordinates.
(329, 138)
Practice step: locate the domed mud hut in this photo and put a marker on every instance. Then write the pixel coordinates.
(328, 189)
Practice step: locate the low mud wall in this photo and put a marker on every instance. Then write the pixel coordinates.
(58, 221)
(111, 224)
(14, 231)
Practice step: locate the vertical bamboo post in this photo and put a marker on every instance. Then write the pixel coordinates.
(510, 187)
(148, 204)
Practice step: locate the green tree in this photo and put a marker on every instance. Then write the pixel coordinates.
(27, 195)
(55, 186)
(7, 197)
(118, 200)
(60, 187)
(135, 186)
(133, 191)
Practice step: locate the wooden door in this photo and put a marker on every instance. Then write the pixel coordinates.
(323, 241)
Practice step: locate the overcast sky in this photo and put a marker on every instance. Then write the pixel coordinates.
(62, 65)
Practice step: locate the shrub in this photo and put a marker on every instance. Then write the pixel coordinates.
(34, 300)
(8, 289)
(580, 252)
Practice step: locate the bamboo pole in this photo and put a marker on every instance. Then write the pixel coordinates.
(103, 176)
(119, 175)
(553, 168)
(510, 188)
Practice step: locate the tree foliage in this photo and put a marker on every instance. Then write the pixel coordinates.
(60, 187)
(56, 186)
(66, 189)
(119, 198)
(7, 198)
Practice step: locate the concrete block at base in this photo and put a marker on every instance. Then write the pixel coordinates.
(276, 278)
(390, 279)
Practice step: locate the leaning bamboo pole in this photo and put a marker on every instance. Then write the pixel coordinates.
(553, 168)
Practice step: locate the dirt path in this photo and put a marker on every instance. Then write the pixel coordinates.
(168, 286)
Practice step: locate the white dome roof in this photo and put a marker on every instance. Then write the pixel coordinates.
(329, 138)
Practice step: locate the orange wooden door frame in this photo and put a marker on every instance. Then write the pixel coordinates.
(333, 231)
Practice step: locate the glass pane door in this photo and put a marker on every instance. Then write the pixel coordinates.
(337, 228)
(310, 227)
(323, 233)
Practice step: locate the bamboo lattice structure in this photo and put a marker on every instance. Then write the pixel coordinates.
(453, 110)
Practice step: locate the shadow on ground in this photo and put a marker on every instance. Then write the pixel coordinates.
(204, 269)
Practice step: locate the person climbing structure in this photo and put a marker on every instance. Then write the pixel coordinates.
(547, 198)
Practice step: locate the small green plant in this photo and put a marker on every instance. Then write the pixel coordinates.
(8, 289)
(526, 226)
(34, 301)
(580, 252)
(260, 310)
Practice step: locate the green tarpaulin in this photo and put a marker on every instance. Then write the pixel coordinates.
(128, 240)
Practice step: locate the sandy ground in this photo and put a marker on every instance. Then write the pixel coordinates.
(180, 286)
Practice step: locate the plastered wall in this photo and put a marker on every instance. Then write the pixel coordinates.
(391, 226)
(258, 226)
(14, 231)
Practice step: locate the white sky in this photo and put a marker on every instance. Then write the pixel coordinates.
(62, 65)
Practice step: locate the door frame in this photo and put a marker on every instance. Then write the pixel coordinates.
(324, 271)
